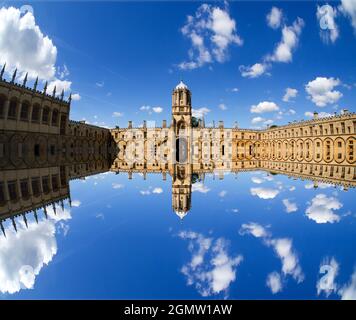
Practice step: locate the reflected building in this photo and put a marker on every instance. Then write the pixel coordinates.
(41, 149)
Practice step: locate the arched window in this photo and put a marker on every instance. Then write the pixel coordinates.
(55, 114)
(2, 106)
(12, 114)
(45, 115)
(36, 113)
(25, 108)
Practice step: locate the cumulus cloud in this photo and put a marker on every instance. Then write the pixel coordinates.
(200, 113)
(274, 282)
(211, 269)
(254, 71)
(150, 109)
(289, 206)
(24, 46)
(264, 193)
(260, 120)
(23, 255)
(321, 91)
(283, 247)
(200, 187)
(157, 190)
(329, 30)
(76, 203)
(76, 97)
(157, 109)
(330, 269)
(211, 31)
(257, 180)
(289, 94)
(264, 106)
(321, 209)
(290, 263)
(348, 291)
(274, 18)
(254, 229)
(290, 38)
(348, 8)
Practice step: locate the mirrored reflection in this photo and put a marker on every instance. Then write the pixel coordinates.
(41, 151)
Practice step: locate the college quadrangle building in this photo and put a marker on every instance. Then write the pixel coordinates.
(41, 149)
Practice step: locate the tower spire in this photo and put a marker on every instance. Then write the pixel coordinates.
(45, 88)
(25, 80)
(2, 229)
(2, 71)
(54, 91)
(35, 85)
(35, 214)
(62, 95)
(14, 76)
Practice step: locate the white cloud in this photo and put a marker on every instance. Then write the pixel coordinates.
(145, 108)
(24, 46)
(157, 109)
(264, 193)
(254, 229)
(23, 255)
(60, 85)
(264, 106)
(63, 72)
(76, 203)
(257, 180)
(100, 84)
(76, 97)
(211, 269)
(321, 209)
(329, 30)
(222, 193)
(235, 90)
(321, 91)
(290, 93)
(257, 120)
(117, 185)
(211, 32)
(201, 112)
(283, 248)
(348, 8)
(330, 269)
(254, 71)
(289, 41)
(274, 18)
(200, 187)
(117, 114)
(289, 206)
(145, 192)
(290, 263)
(348, 291)
(222, 106)
(157, 190)
(310, 114)
(274, 282)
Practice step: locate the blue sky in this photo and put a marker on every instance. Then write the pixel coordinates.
(121, 56)
(128, 243)
(273, 233)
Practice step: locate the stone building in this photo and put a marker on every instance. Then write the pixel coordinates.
(41, 149)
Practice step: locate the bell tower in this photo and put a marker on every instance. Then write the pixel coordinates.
(181, 107)
(182, 122)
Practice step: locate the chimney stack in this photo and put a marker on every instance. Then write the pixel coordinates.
(315, 115)
(164, 124)
(130, 124)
